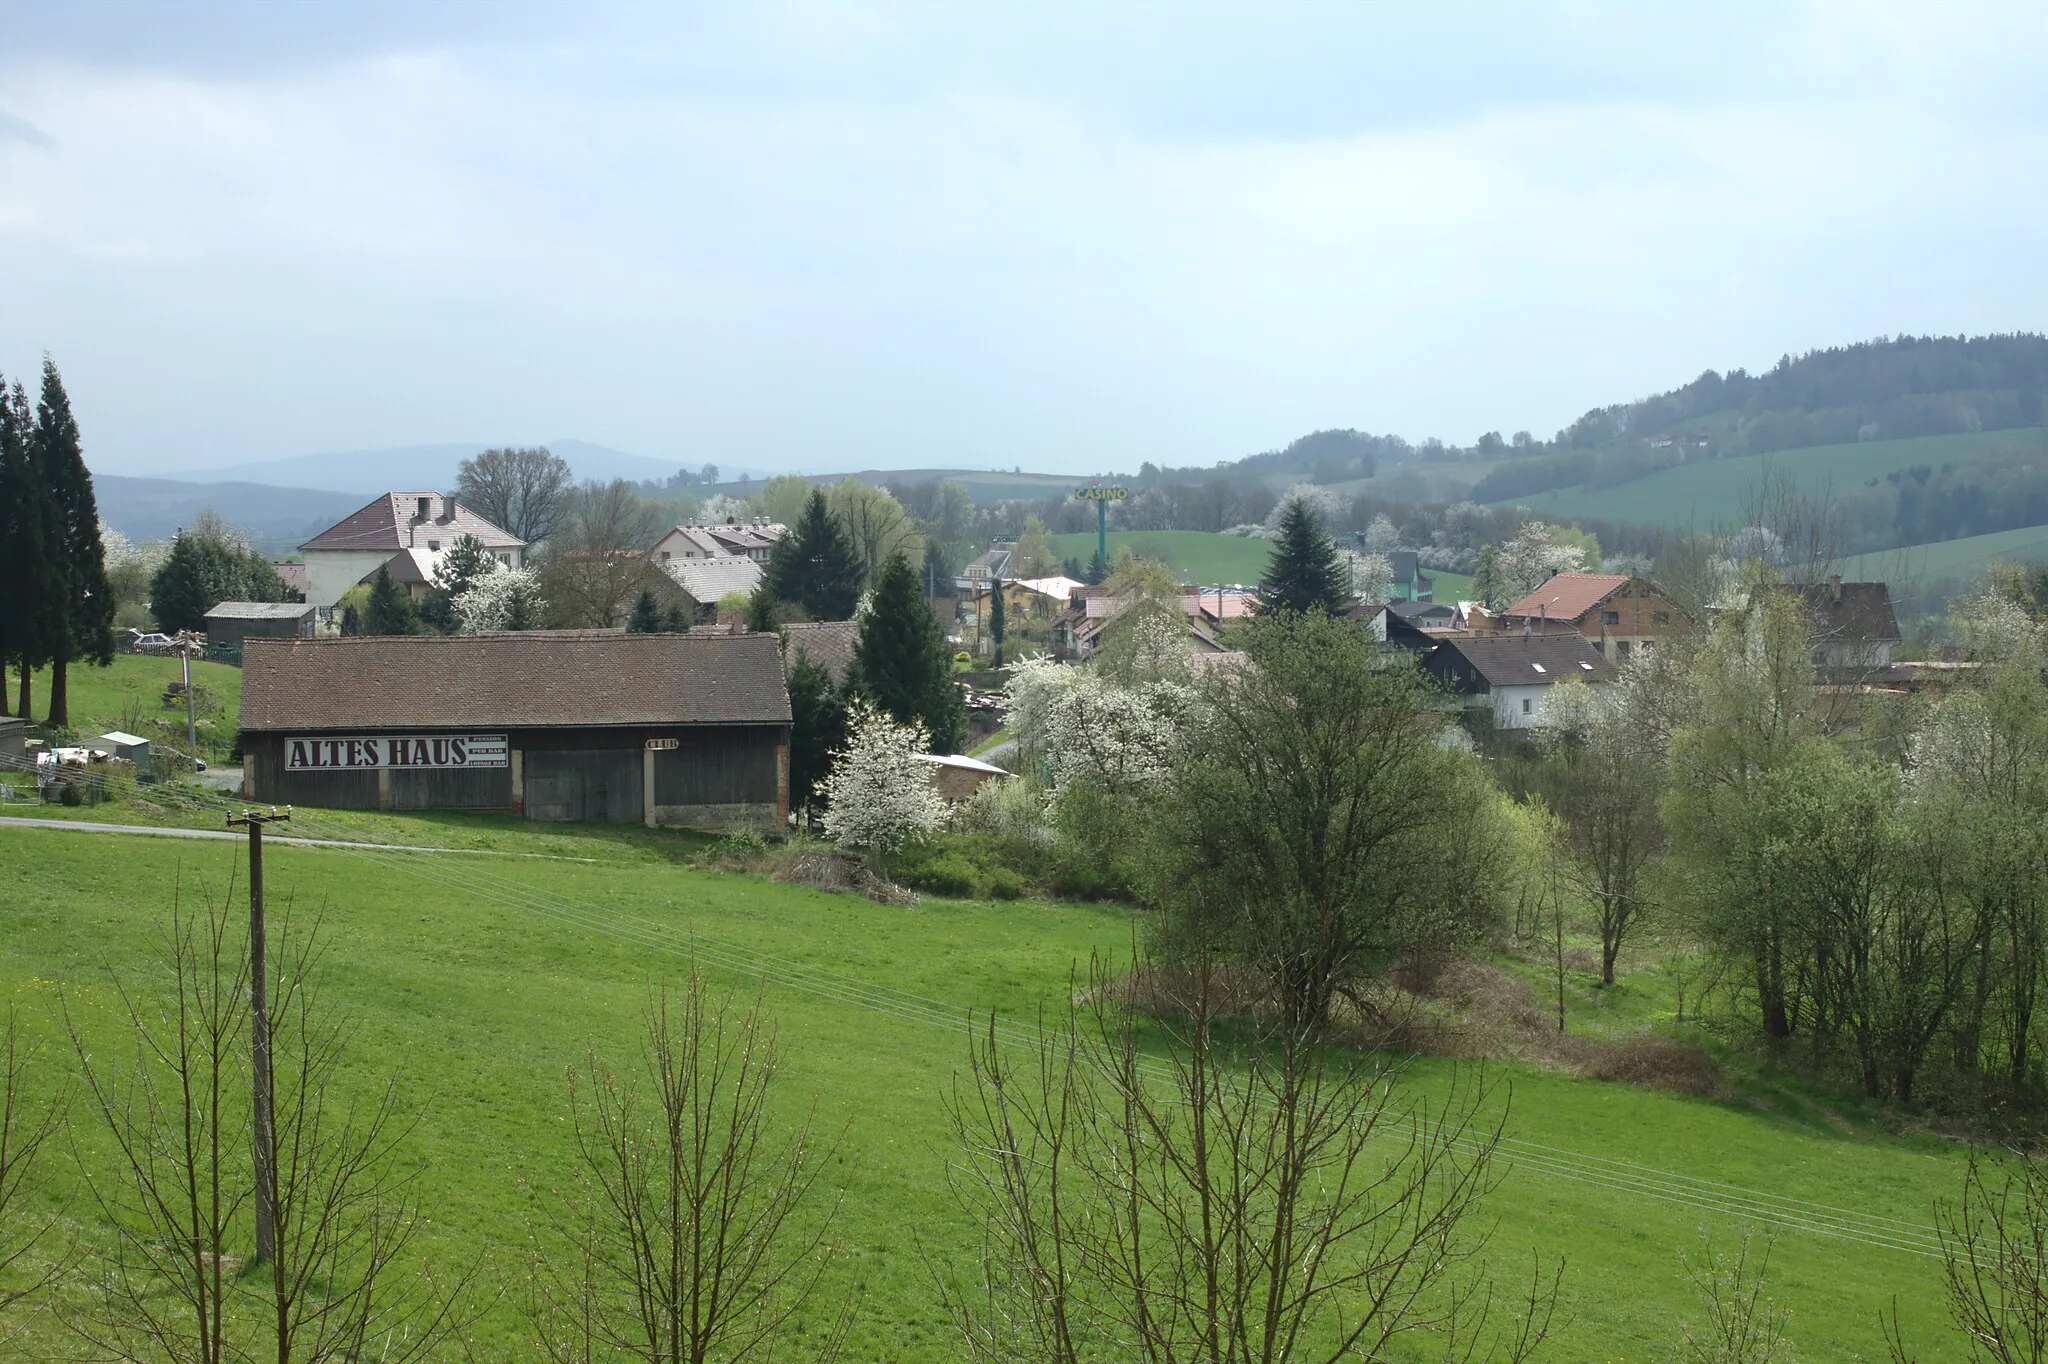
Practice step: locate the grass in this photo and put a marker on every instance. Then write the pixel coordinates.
(1958, 560)
(1209, 559)
(128, 694)
(483, 1004)
(1708, 494)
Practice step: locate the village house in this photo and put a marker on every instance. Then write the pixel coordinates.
(408, 532)
(732, 539)
(1508, 675)
(1619, 614)
(1090, 610)
(1854, 627)
(661, 729)
(956, 777)
(700, 584)
(230, 623)
(993, 562)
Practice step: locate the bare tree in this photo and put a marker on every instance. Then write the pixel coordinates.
(525, 491)
(696, 1237)
(1261, 1200)
(1742, 1325)
(1609, 804)
(173, 1284)
(1994, 1248)
(24, 1128)
(876, 524)
(597, 564)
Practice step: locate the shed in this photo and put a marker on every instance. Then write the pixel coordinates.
(117, 743)
(684, 729)
(13, 741)
(230, 623)
(957, 776)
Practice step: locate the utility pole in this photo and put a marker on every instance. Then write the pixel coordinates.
(259, 1036)
(191, 723)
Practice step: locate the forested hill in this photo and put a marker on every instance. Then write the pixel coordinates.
(1884, 389)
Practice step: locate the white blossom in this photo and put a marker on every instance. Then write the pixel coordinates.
(1571, 711)
(1532, 556)
(715, 509)
(878, 795)
(1329, 506)
(1372, 577)
(491, 600)
(1381, 536)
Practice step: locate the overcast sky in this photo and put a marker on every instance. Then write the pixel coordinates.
(827, 235)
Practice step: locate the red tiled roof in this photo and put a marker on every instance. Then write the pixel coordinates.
(390, 522)
(1568, 596)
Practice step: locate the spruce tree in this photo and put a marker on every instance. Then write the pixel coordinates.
(390, 610)
(1304, 573)
(998, 620)
(675, 620)
(901, 657)
(25, 589)
(814, 565)
(1098, 569)
(646, 617)
(467, 560)
(817, 715)
(186, 585)
(80, 623)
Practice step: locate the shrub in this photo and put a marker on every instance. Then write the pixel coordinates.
(949, 874)
(1004, 884)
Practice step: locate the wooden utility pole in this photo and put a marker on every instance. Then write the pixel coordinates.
(259, 1036)
(191, 720)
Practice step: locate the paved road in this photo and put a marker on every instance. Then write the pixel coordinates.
(159, 831)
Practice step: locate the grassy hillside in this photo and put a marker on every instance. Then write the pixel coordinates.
(985, 486)
(1708, 494)
(1953, 562)
(483, 979)
(1197, 556)
(129, 695)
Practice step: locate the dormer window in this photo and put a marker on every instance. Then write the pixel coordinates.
(433, 546)
(426, 508)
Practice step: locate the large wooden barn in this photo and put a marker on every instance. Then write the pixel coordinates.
(689, 730)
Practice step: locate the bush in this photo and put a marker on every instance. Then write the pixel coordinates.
(949, 874)
(1004, 884)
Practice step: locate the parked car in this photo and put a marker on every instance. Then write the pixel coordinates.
(150, 641)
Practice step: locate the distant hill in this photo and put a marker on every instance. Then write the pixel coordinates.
(422, 466)
(986, 486)
(277, 519)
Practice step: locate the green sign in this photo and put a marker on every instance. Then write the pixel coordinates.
(1095, 492)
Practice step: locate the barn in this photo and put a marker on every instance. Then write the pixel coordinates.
(688, 730)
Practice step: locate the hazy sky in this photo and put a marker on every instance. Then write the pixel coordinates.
(833, 235)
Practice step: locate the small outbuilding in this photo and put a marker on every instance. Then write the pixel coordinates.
(957, 777)
(13, 741)
(660, 729)
(117, 743)
(230, 623)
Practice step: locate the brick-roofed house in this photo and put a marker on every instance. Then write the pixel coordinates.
(1619, 613)
(420, 526)
(1509, 674)
(1853, 623)
(827, 643)
(672, 729)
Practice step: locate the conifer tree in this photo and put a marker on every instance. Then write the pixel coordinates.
(901, 657)
(817, 726)
(646, 617)
(25, 591)
(675, 620)
(998, 622)
(80, 622)
(1098, 569)
(814, 565)
(390, 610)
(1304, 573)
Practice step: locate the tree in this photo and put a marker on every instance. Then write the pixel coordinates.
(1098, 569)
(501, 599)
(525, 491)
(876, 526)
(1034, 556)
(1371, 576)
(693, 1220)
(1742, 1325)
(675, 620)
(1303, 573)
(1319, 829)
(1994, 1252)
(878, 796)
(1487, 586)
(646, 617)
(390, 611)
(1237, 1200)
(817, 729)
(1534, 554)
(1071, 567)
(902, 660)
(80, 622)
(596, 562)
(27, 586)
(814, 565)
(782, 498)
(209, 562)
(467, 560)
(997, 619)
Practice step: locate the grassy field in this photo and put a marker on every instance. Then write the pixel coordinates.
(483, 978)
(1209, 560)
(1959, 560)
(1708, 495)
(129, 695)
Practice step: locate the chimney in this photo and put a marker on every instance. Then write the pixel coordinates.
(1835, 585)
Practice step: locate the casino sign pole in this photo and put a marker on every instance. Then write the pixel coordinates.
(1101, 496)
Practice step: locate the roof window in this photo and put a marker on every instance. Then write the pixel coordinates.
(1586, 667)
(1537, 666)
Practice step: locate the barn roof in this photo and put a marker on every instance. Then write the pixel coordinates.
(1568, 596)
(534, 678)
(1527, 660)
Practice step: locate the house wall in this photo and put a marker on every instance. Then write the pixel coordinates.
(716, 777)
(332, 572)
(1635, 609)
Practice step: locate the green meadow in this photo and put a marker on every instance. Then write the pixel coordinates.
(481, 978)
(1208, 559)
(129, 695)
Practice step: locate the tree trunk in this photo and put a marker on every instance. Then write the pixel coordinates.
(60, 709)
(27, 689)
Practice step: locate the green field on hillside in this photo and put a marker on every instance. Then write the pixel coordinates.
(1951, 560)
(129, 694)
(1708, 494)
(985, 486)
(483, 978)
(1208, 559)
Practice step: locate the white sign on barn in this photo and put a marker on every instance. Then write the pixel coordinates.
(410, 751)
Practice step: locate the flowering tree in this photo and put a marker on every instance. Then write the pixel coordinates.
(1532, 556)
(1381, 536)
(878, 795)
(1372, 577)
(500, 598)
(1330, 507)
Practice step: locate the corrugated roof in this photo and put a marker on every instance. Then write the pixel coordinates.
(532, 678)
(1527, 660)
(259, 610)
(390, 522)
(1568, 596)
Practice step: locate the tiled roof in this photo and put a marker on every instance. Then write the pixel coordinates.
(294, 575)
(393, 522)
(259, 610)
(706, 580)
(1568, 596)
(533, 678)
(1524, 660)
(1858, 612)
(827, 643)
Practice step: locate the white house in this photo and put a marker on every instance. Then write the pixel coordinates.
(420, 526)
(1509, 674)
(733, 539)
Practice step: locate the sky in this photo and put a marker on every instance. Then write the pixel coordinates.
(813, 235)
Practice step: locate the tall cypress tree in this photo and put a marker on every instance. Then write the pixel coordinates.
(80, 622)
(1304, 573)
(998, 620)
(25, 589)
(814, 565)
(901, 659)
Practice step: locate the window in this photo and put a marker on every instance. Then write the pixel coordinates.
(1620, 649)
(506, 559)
(1537, 666)
(425, 506)
(433, 546)
(1610, 617)
(664, 556)
(1527, 705)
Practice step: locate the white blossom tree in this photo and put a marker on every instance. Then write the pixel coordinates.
(714, 509)
(1330, 507)
(1532, 556)
(1381, 536)
(500, 598)
(1372, 577)
(878, 795)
